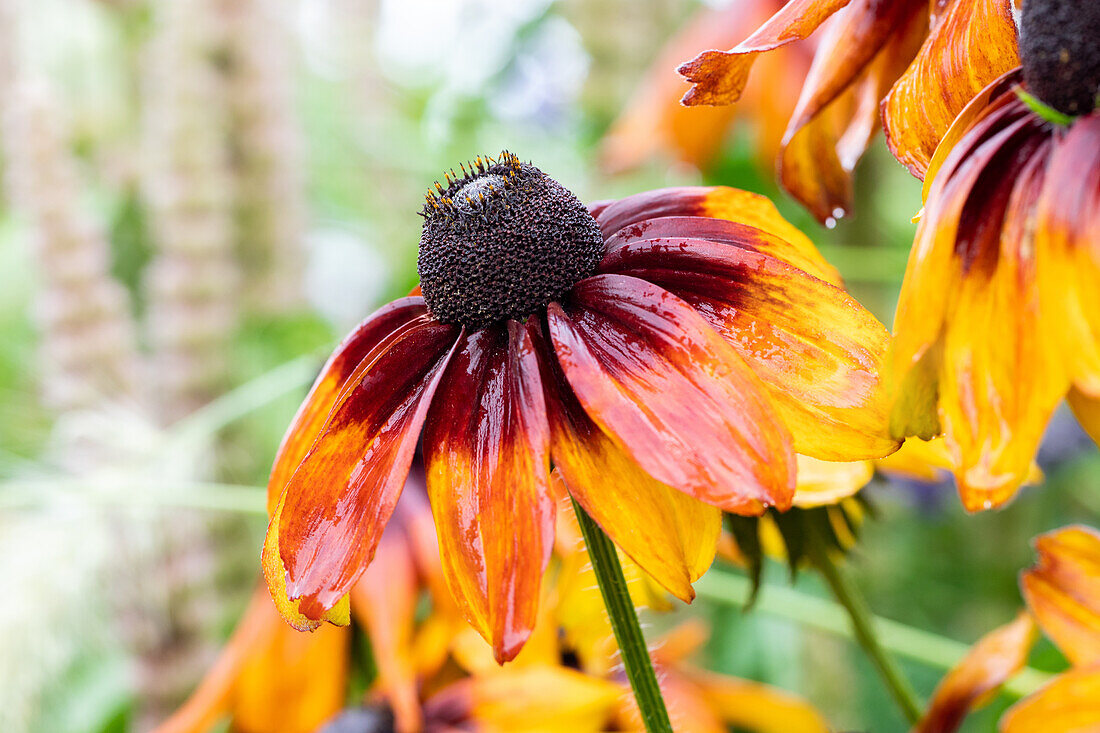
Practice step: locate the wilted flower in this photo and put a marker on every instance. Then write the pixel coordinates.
(670, 361)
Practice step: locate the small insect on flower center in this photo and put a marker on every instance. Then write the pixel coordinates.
(501, 241)
(1060, 52)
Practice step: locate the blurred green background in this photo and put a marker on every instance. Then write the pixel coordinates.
(201, 197)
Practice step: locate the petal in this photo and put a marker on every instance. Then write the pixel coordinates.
(1068, 240)
(823, 483)
(1069, 704)
(689, 710)
(989, 664)
(757, 707)
(719, 77)
(971, 44)
(487, 447)
(1087, 411)
(307, 424)
(739, 208)
(1063, 591)
(671, 535)
(333, 510)
(672, 394)
(865, 48)
(816, 349)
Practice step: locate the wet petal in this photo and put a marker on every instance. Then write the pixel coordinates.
(356, 346)
(671, 535)
(1069, 704)
(739, 208)
(815, 348)
(672, 394)
(990, 663)
(487, 452)
(334, 508)
(970, 45)
(1063, 591)
(719, 77)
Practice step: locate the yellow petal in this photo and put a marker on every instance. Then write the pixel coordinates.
(827, 482)
(1063, 591)
(1069, 704)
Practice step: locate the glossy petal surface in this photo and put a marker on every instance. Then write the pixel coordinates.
(487, 450)
(719, 77)
(972, 43)
(332, 512)
(818, 351)
(1063, 591)
(653, 375)
(989, 664)
(1069, 704)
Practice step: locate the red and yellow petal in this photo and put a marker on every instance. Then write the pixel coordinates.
(374, 331)
(334, 508)
(971, 44)
(990, 663)
(719, 77)
(487, 452)
(1069, 704)
(1063, 591)
(815, 348)
(672, 394)
(669, 534)
(730, 209)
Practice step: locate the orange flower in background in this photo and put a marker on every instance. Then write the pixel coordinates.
(999, 313)
(1063, 596)
(669, 361)
(924, 61)
(654, 123)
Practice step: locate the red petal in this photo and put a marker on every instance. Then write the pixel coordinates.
(487, 445)
(339, 500)
(672, 393)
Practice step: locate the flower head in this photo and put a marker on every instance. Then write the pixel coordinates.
(668, 360)
(998, 316)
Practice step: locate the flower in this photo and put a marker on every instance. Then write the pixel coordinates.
(998, 316)
(654, 123)
(668, 360)
(922, 61)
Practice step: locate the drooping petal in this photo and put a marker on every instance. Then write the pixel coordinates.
(738, 208)
(1069, 704)
(719, 76)
(989, 664)
(487, 450)
(1063, 591)
(815, 348)
(972, 43)
(656, 378)
(333, 510)
(669, 534)
(757, 707)
(865, 48)
(1067, 238)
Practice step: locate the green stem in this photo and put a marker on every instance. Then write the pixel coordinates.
(624, 622)
(863, 627)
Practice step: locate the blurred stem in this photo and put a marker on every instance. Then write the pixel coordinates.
(624, 622)
(849, 596)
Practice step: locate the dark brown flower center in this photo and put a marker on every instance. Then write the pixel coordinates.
(1060, 52)
(502, 241)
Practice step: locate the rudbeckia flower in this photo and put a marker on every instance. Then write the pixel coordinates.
(669, 352)
(924, 61)
(999, 314)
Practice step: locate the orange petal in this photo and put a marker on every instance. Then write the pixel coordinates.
(989, 664)
(334, 508)
(760, 708)
(307, 424)
(731, 210)
(865, 48)
(1087, 411)
(1069, 704)
(487, 450)
(815, 348)
(689, 710)
(672, 393)
(671, 535)
(971, 44)
(1068, 240)
(1063, 591)
(719, 77)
